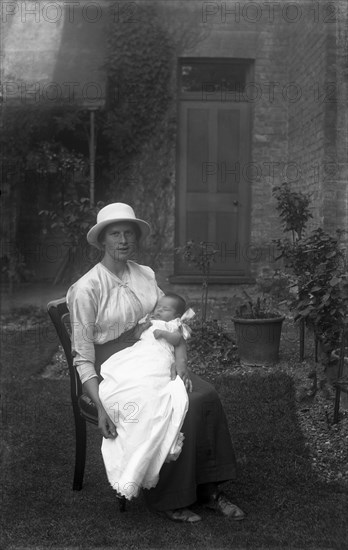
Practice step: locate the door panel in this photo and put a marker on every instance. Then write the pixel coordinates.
(197, 147)
(228, 150)
(212, 190)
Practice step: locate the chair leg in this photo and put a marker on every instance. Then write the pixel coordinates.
(80, 452)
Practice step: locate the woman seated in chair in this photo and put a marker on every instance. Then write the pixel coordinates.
(105, 306)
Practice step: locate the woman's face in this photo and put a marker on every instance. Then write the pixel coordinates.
(119, 241)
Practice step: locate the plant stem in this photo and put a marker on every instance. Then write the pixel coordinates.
(302, 339)
(340, 372)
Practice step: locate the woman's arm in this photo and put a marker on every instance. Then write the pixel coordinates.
(105, 425)
(181, 364)
(82, 309)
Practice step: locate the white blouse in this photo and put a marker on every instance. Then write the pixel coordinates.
(102, 307)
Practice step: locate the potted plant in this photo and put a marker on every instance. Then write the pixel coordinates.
(258, 328)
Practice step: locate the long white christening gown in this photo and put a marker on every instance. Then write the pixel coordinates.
(148, 409)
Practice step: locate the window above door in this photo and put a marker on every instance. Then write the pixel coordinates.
(214, 79)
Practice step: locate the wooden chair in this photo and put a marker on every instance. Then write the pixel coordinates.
(83, 407)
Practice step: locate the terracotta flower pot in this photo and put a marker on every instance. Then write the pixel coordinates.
(258, 340)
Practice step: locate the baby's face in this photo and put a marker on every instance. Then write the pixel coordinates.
(165, 309)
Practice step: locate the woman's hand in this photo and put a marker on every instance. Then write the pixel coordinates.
(181, 366)
(184, 374)
(139, 328)
(105, 424)
(185, 377)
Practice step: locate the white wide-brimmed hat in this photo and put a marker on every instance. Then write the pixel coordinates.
(112, 213)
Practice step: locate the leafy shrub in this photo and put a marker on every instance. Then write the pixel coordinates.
(73, 222)
(24, 316)
(278, 284)
(210, 345)
(318, 261)
(293, 208)
(201, 256)
(262, 307)
(15, 269)
(323, 281)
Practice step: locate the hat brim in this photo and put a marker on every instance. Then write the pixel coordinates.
(94, 232)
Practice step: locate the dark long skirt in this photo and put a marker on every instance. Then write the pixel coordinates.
(207, 455)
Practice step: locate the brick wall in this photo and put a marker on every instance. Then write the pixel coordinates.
(307, 117)
(315, 128)
(269, 138)
(341, 176)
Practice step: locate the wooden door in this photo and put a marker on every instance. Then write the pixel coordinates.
(213, 181)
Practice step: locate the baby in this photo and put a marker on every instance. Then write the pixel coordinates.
(171, 310)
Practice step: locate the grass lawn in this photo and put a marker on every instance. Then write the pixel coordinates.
(288, 504)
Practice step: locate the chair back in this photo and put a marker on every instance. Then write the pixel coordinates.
(59, 314)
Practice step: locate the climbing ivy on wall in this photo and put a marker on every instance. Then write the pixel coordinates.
(140, 124)
(139, 67)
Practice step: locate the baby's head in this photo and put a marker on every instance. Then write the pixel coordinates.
(169, 307)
